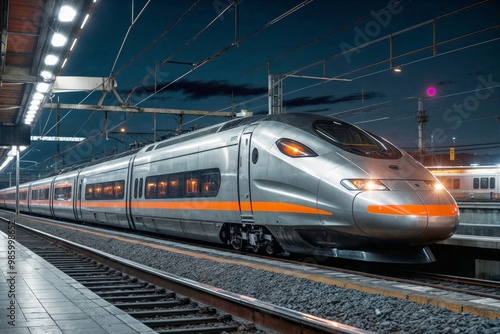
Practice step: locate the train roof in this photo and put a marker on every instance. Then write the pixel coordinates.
(298, 120)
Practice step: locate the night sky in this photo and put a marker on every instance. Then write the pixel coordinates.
(221, 66)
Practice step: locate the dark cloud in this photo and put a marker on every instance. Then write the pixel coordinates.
(445, 82)
(327, 99)
(195, 90)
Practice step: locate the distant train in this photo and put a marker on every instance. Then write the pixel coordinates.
(466, 183)
(298, 183)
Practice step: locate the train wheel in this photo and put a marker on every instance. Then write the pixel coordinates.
(237, 243)
(270, 249)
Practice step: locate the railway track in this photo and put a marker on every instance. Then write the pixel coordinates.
(167, 303)
(472, 286)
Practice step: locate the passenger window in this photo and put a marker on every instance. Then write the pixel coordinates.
(456, 183)
(210, 184)
(108, 191)
(89, 192)
(476, 183)
(191, 183)
(118, 189)
(484, 183)
(141, 182)
(492, 183)
(151, 185)
(175, 186)
(98, 191)
(135, 188)
(62, 194)
(162, 186)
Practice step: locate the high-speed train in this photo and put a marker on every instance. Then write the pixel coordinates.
(296, 183)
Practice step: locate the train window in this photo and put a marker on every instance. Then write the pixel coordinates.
(484, 183)
(34, 195)
(23, 195)
(191, 184)
(175, 182)
(448, 183)
(492, 183)
(89, 191)
(476, 183)
(141, 181)
(102, 191)
(118, 189)
(135, 187)
(210, 182)
(162, 186)
(354, 140)
(107, 190)
(45, 194)
(151, 186)
(456, 183)
(62, 194)
(97, 191)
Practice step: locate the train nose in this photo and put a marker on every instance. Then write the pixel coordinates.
(411, 210)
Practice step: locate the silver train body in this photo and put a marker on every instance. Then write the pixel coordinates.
(295, 182)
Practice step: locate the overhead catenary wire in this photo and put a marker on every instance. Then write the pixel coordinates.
(228, 47)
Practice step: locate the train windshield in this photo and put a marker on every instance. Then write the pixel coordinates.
(355, 140)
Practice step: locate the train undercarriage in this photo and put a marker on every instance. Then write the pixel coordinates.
(250, 236)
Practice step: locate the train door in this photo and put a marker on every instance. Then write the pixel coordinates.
(79, 191)
(245, 196)
(129, 188)
(51, 197)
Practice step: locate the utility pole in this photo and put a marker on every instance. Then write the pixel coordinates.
(422, 118)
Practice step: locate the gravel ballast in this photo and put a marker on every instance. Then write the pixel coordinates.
(371, 312)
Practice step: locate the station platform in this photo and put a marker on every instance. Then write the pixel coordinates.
(36, 297)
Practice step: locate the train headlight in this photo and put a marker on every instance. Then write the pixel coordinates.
(294, 149)
(363, 184)
(436, 185)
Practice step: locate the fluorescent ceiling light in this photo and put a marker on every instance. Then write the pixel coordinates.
(85, 21)
(58, 40)
(67, 14)
(73, 44)
(33, 107)
(46, 75)
(32, 112)
(42, 87)
(38, 96)
(51, 60)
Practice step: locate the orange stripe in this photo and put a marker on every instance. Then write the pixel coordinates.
(287, 207)
(442, 210)
(215, 206)
(185, 205)
(414, 209)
